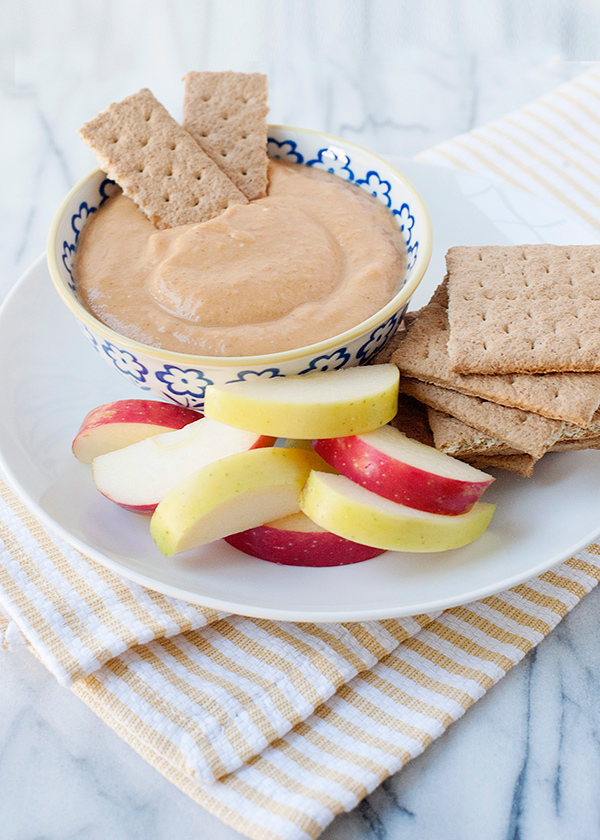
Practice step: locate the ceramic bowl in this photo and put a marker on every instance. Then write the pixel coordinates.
(183, 378)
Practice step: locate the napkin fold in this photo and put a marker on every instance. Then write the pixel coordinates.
(276, 727)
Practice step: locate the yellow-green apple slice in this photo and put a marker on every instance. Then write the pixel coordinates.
(296, 540)
(316, 405)
(123, 422)
(231, 495)
(347, 509)
(139, 476)
(405, 471)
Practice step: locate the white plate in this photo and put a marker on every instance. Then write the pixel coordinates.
(50, 378)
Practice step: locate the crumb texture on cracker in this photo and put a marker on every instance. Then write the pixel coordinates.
(423, 354)
(157, 163)
(226, 113)
(522, 430)
(524, 309)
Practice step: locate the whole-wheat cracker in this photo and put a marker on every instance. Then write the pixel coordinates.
(453, 437)
(520, 464)
(457, 438)
(411, 419)
(524, 309)
(521, 430)
(226, 113)
(158, 163)
(423, 355)
(575, 445)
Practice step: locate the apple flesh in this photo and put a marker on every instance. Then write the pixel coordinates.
(408, 472)
(118, 424)
(296, 540)
(349, 510)
(318, 405)
(231, 495)
(139, 476)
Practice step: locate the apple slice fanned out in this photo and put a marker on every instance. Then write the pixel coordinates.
(139, 476)
(392, 465)
(315, 405)
(120, 423)
(231, 495)
(349, 510)
(296, 540)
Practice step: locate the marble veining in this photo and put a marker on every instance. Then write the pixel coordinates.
(397, 77)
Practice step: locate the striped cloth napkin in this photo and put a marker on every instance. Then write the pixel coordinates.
(277, 727)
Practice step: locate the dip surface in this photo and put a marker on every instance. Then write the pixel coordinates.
(312, 259)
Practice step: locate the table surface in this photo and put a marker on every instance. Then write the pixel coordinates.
(394, 76)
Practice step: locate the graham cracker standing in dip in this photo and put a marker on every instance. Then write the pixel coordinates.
(157, 163)
(226, 113)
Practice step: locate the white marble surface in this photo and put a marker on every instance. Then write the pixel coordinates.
(524, 763)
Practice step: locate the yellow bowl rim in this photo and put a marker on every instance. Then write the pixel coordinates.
(279, 357)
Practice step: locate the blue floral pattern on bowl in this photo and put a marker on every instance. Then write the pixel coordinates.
(406, 221)
(125, 362)
(176, 378)
(267, 373)
(379, 338)
(377, 186)
(328, 361)
(184, 384)
(284, 149)
(334, 161)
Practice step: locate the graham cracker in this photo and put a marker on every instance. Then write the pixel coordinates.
(411, 419)
(575, 445)
(157, 163)
(524, 309)
(520, 430)
(572, 432)
(458, 439)
(226, 113)
(520, 464)
(423, 355)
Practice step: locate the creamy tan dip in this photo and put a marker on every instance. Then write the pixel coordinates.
(312, 259)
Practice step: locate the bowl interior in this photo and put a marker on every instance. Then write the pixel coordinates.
(347, 161)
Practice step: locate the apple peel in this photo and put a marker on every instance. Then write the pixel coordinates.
(403, 470)
(296, 540)
(349, 510)
(231, 495)
(117, 424)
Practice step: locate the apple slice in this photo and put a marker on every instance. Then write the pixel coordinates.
(296, 540)
(231, 495)
(139, 476)
(405, 471)
(123, 422)
(316, 405)
(347, 509)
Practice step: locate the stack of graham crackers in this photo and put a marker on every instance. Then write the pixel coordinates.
(184, 174)
(505, 357)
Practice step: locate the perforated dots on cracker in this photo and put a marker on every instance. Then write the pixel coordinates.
(524, 309)
(226, 113)
(157, 163)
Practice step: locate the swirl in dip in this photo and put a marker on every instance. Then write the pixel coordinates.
(312, 259)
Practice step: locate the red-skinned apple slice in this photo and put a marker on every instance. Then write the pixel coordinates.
(296, 540)
(405, 471)
(233, 494)
(139, 476)
(349, 510)
(120, 423)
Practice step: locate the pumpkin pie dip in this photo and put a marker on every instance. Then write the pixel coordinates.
(313, 258)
